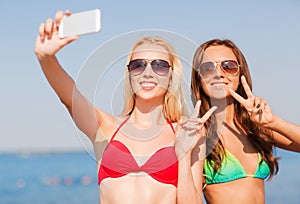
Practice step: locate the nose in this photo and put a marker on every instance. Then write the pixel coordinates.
(148, 71)
(219, 71)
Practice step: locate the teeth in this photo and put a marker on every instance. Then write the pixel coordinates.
(219, 85)
(147, 84)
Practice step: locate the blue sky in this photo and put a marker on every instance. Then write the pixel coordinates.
(32, 117)
(31, 114)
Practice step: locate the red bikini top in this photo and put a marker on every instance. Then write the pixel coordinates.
(117, 161)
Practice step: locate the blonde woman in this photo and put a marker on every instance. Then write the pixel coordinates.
(139, 164)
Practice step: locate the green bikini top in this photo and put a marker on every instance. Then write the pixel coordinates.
(232, 169)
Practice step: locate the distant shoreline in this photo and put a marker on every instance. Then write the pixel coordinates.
(41, 151)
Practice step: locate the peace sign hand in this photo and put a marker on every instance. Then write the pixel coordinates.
(190, 131)
(258, 109)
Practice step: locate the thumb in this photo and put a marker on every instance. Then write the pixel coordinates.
(68, 40)
(181, 123)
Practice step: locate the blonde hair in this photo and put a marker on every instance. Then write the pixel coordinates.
(173, 101)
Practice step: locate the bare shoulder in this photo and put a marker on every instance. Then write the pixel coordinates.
(174, 124)
(108, 124)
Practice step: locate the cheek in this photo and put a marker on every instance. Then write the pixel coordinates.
(235, 83)
(134, 84)
(164, 81)
(164, 84)
(205, 88)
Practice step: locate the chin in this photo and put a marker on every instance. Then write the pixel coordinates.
(220, 96)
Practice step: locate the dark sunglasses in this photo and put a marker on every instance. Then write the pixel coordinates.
(138, 66)
(229, 67)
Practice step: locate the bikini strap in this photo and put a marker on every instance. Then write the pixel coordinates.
(119, 128)
(169, 122)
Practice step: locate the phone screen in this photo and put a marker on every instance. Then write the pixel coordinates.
(80, 23)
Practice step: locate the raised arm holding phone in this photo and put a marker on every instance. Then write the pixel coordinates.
(139, 163)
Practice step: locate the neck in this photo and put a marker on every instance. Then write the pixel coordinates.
(146, 114)
(225, 111)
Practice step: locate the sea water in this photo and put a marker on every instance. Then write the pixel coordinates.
(48, 178)
(71, 177)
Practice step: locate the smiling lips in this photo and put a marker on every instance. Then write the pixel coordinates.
(218, 84)
(148, 85)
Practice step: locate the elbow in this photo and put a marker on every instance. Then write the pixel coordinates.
(294, 147)
(192, 198)
(68, 106)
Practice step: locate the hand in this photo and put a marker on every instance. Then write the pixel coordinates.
(258, 109)
(190, 131)
(48, 42)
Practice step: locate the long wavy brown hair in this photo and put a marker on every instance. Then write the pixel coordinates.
(261, 138)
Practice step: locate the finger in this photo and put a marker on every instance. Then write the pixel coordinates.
(257, 103)
(68, 40)
(195, 120)
(49, 28)
(58, 17)
(183, 121)
(68, 13)
(246, 87)
(256, 110)
(195, 113)
(237, 97)
(264, 104)
(204, 118)
(260, 113)
(199, 128)
(180, 123)
(208, 114)
(192, 124)
(42, 31)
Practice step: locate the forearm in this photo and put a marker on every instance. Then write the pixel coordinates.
(81, 110)
(59, 80)
(187, 191)
(288, 130)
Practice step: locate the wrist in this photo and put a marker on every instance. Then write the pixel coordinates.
(43, 56)
(185, 161)
(273, 125)
(45, 59)
(182, 154)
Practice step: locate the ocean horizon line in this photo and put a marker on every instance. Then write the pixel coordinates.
(28, 152)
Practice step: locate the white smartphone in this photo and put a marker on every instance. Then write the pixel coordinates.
(80, 23)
